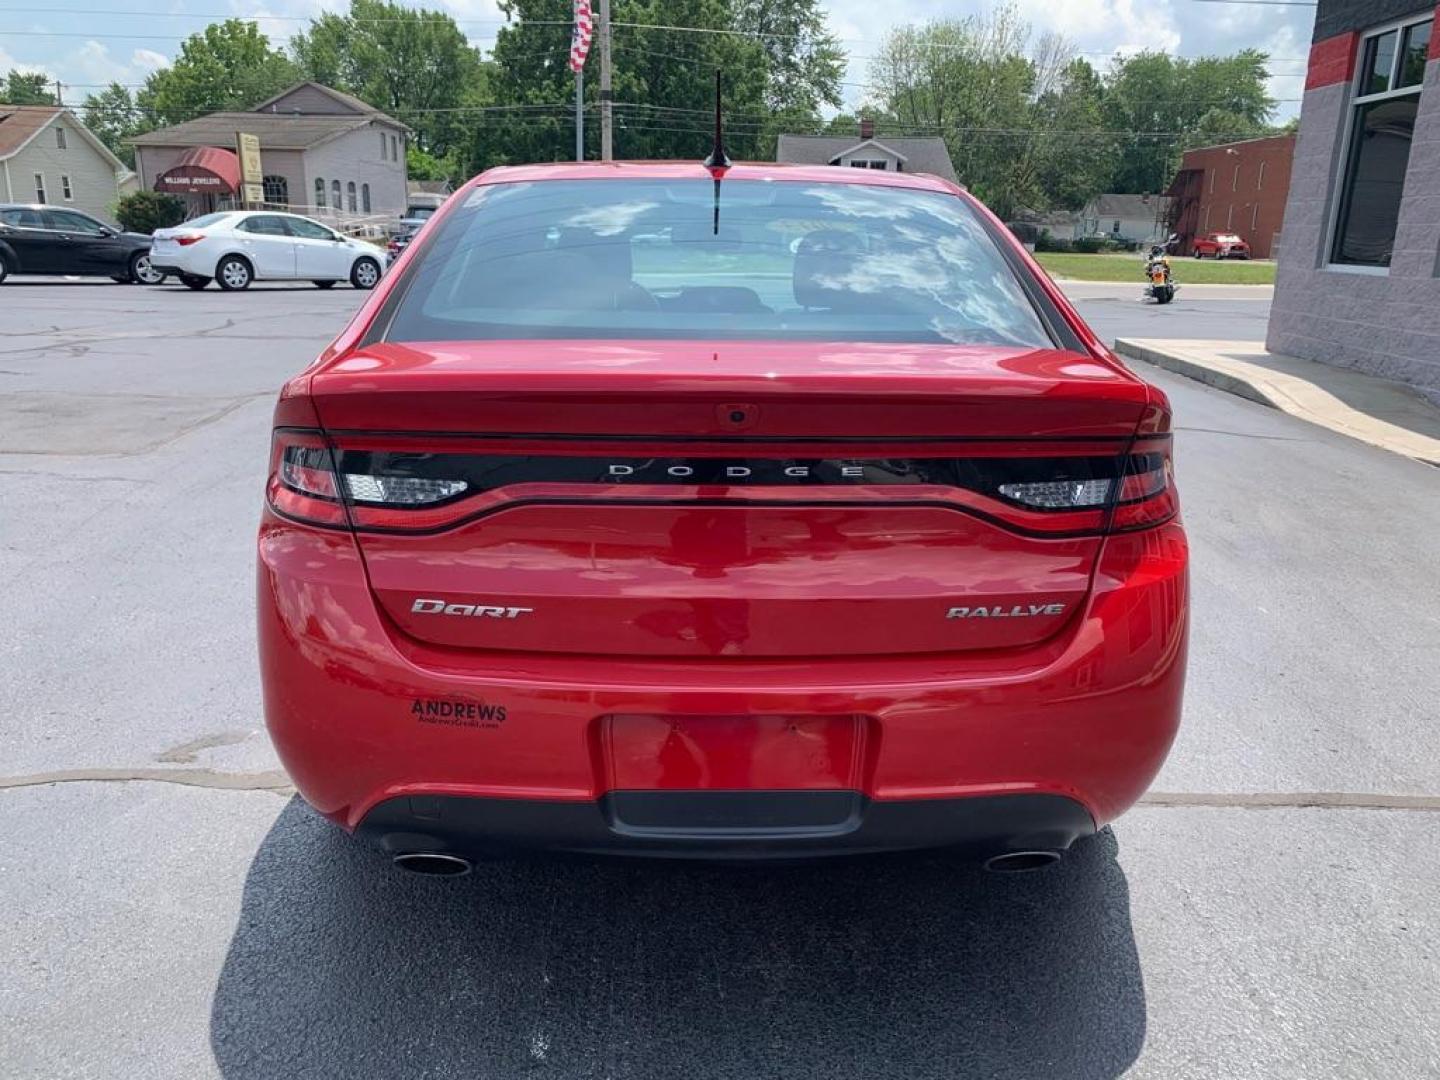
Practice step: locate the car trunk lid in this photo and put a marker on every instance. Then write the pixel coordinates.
(723, 499)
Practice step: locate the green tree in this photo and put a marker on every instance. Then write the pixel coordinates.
(664, 84)
(1074, 159)
(411, 63)
(971, 82)
(227, 66)
(26, 88)
(1164, 105)
(425, 166)
(112, 117)
(146, 211)
(805, 60)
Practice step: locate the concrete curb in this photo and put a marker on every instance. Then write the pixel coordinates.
(1222, 364)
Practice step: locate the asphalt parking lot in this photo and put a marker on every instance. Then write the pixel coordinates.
(167, 909)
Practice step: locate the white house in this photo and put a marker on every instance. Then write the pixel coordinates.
(1139, 218)
(48, 156)
(898, 153)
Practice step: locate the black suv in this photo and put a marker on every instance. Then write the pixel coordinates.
(54, 240)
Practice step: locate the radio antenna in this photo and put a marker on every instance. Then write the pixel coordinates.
(718, 159)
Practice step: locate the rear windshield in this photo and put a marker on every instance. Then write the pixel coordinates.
(669, 259)
(207, 219)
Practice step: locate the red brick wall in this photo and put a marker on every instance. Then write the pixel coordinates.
(1332, 60)
(1249, 204)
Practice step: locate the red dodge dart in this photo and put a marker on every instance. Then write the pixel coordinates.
(734, 512)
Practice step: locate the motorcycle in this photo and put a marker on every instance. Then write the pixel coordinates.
(1161, 282)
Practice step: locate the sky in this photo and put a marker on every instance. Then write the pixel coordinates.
(89, 43)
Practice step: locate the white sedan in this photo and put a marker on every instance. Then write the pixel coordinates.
(236, 247)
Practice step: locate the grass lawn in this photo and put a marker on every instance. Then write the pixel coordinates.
(1132, 268)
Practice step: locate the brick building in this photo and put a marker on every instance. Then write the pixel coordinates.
(1238, 187)
(1359, 276)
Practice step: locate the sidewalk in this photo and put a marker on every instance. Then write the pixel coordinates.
(1386, 414)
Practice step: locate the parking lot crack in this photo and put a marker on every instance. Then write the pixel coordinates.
(273, 780)
(1293, 800)
(1243, 434)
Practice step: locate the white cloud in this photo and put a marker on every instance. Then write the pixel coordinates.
(149, 59)
(8, 62)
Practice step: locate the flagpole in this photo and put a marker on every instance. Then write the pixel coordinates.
(580, 115)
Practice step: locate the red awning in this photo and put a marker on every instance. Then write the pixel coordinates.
(201, 170)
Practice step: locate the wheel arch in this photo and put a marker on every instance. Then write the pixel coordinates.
(232, 253)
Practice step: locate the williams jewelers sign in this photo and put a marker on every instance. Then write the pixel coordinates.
(203, 170)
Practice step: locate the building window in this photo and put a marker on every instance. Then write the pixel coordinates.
(1254, 218)
(1230, 218)
(59, 138)
(1235, 180)
(65, 188)
(40, 187)
(277, 190)
(365, 197)
(383, 155)
(319, 193)
(1212, 180)
(1260, 180)
(335, 195)
(1382, 126)
(394, 149)
(350, 195)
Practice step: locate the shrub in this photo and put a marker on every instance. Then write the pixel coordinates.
(146, 211)
(1048, 242)
(1024, 231)
(1090, 245)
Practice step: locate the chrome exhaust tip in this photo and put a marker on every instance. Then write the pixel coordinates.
(1018, 862)
(433, 864)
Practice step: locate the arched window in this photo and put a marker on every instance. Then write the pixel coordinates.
(277, 190)
(335, 194)
(365, 197)
(319, 193)
(350, 193)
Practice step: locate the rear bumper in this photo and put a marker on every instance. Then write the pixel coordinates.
(724, 825)
(518, 752)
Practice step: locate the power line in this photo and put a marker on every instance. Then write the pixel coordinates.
(234, 16)
(1260, 3)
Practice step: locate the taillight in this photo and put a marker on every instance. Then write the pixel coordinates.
(418, 490)
(186, 239)
(1059, 494)
(302, 481)
(1147, 490)
(305, 485)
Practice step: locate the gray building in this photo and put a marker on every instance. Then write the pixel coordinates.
(48, 156)
(865, 150)
(1359, 275)
(323, 153)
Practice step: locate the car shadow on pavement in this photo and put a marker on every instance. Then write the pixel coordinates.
(898, 968)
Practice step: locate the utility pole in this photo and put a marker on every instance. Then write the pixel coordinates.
(607, 120)
(580, 115)
(59, 93)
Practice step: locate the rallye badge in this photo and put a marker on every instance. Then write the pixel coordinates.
(1018, 611)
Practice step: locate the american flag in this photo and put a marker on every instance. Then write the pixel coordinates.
(580, 38)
